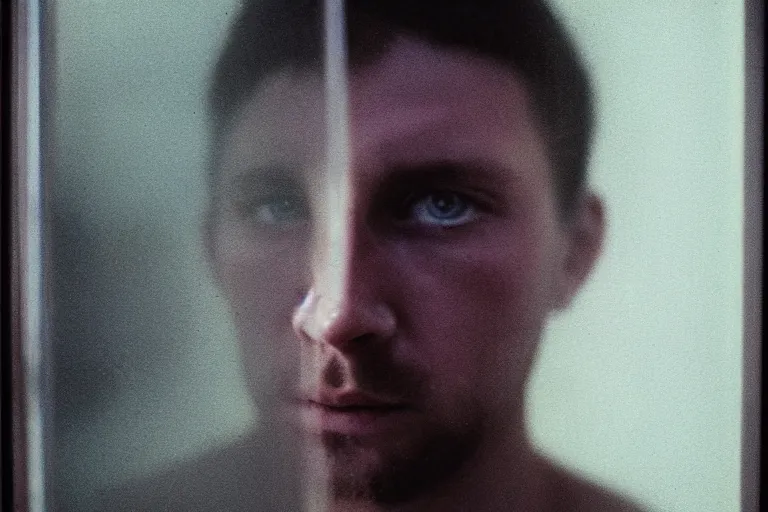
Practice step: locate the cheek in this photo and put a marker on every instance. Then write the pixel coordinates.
(263, 285)
(475, 314)
(263, 279)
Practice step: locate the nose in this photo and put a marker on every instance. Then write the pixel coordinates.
(343, 323)
(345, 305)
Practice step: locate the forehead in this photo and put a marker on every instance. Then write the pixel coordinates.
(416, 101)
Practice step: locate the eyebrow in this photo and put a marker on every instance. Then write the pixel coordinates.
(269, 177)
(483, 176)
(447, 171)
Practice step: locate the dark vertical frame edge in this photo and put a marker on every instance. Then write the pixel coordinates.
(16, 221)
(754, 18)
(6, 409)
(22, 304)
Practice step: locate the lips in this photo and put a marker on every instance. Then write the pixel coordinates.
(352, 413)
(352, 399)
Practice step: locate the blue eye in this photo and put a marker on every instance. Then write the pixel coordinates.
(444, 209)
(279, 211)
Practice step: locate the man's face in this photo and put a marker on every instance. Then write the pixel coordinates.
(395, 319)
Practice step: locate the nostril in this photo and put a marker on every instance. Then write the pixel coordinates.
(364, 339)
(333, 374)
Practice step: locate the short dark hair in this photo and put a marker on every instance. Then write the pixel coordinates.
(525, 35)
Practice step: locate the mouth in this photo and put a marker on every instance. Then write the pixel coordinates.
(356, 409)
(353, 415)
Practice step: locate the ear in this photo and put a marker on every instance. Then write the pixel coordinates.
(584, 234)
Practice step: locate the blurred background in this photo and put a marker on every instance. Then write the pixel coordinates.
(638, 386)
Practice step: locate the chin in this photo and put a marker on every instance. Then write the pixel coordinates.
(397, 470)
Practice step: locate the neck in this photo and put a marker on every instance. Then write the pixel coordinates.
(506, 475)
(503, 476)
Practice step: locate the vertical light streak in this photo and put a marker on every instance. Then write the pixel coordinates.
(30, 261)
(331, 236)
(337, 150)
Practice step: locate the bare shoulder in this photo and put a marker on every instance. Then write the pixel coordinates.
(572, 493)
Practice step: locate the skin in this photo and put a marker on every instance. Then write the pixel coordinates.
(400, 351)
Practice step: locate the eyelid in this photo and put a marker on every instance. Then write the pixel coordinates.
(262, 182)
(414, 211)
(251, 209)
(263, 185)
(476, 199)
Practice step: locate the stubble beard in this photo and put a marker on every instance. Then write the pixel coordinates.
(411, 471)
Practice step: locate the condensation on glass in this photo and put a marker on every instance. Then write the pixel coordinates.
(267, 252)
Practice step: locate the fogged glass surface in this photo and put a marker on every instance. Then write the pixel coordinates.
(385, 242)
